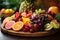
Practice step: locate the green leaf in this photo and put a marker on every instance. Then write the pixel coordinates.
(57, 17)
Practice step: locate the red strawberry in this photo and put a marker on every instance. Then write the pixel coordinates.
(20, 19)
(24, 14)
(17, 14)
(29, 14)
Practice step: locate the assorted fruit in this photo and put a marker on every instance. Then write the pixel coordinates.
(37, 21)
(6, 12)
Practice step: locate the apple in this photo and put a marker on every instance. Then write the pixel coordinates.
(53, 9)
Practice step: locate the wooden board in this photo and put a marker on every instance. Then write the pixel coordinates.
(28, 34)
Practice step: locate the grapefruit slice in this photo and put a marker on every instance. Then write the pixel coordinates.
(18, 26)
(5, 21)
(9, 24)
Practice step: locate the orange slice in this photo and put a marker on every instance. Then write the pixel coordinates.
(18, 26)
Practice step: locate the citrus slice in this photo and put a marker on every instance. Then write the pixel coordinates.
(5, 21)
(18, 26)
(9, 24)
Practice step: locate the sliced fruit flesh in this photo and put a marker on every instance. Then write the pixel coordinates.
(5, 21)
(18, 26)
(9, 24)
(25, 20)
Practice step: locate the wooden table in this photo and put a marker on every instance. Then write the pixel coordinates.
(4, 36)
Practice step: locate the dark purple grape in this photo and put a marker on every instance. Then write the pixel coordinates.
(41, 23)
(30, 25)
(33, 16)
(42, 17)
(25, 30)
(35, 21)
(32, 19)
(35, 25)
(41, 28)
(37, 17)
(31, 30)
(38, 20)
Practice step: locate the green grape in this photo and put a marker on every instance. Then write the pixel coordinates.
(24, 5)
(12, 17)
(39, 11)
(54, 25)
(48, 27)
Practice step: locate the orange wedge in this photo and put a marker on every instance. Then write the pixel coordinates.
(18, 26)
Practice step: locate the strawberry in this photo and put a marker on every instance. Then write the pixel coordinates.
(17, 14)
(24, 14)
(29, 14)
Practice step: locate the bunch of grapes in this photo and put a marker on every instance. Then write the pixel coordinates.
(40, 21)
(45, 20)
(30, 28)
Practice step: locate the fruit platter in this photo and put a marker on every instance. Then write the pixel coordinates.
(30, 23)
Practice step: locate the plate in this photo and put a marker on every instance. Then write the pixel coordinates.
(28, 34)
